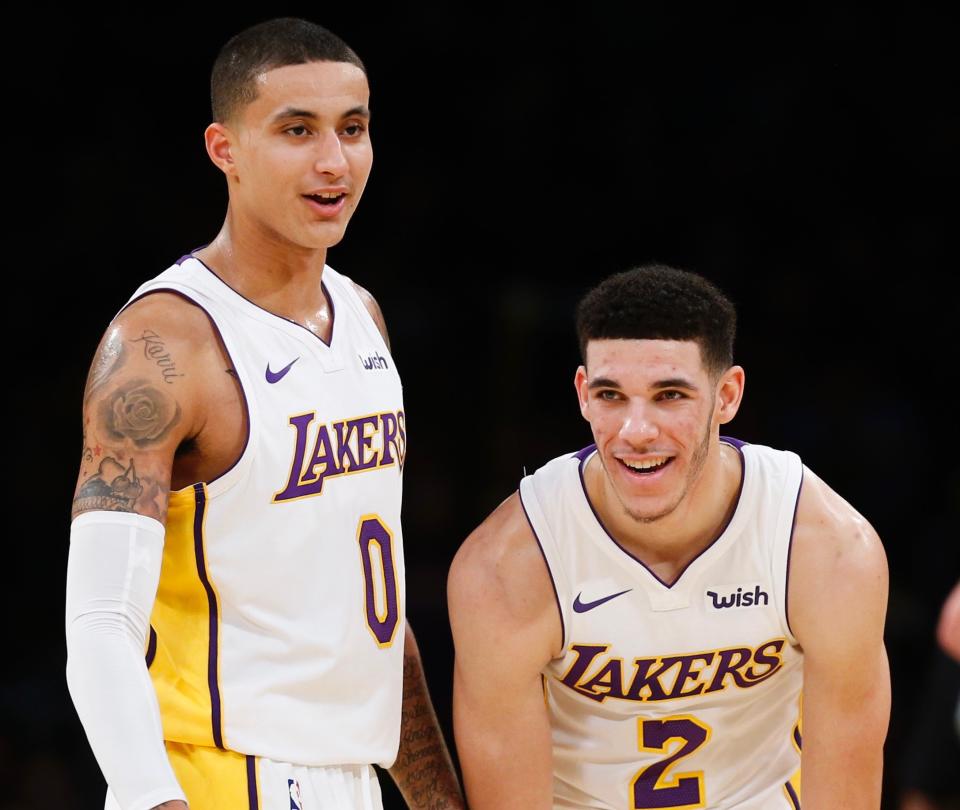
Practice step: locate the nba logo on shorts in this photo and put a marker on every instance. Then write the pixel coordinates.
(296, 803)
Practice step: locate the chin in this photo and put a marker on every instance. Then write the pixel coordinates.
(649, 508)
(649, 515)
(322, 241)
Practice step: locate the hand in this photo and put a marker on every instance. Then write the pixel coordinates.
(176, 804)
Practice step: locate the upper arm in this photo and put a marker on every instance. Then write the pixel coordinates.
(837, 606)
(140, 403)
(374, 309)
(505, 628)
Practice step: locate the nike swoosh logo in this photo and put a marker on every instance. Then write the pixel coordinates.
(276, 376)
(583, 607)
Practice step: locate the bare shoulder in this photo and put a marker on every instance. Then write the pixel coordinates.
(832, 533)
(160, 340)
(837, 560)
(374, 309)
(182, 319)
(499, 576)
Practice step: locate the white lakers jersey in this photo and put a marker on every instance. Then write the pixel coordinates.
(683, 695)
(279, 620)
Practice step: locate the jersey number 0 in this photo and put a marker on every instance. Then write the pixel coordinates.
(379, 579)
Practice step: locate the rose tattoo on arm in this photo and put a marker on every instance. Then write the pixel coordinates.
(140, 412)
(144, 415)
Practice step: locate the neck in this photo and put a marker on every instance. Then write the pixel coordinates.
(668, 544)
(269, 270)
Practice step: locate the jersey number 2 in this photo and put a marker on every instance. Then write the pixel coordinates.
(652, 788)
(380, 599)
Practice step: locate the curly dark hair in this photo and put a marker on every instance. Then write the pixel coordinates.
(265, 46)
(658, 302)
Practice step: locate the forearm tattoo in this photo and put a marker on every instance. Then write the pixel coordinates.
(423, 770)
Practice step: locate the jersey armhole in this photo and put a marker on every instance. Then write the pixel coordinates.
(785, 527)
(223, 481)
(545, 542)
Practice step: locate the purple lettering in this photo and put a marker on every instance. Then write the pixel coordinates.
(324, 458)
(389, 422)
(608, 682)
(363, 440)
(687, 672)
(292, 490)
(643, 678)
(586, 653)
(729, 664)
(345, 456)
(773, 662)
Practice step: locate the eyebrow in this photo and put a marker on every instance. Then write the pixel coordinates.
(673, 382)
(296, 112)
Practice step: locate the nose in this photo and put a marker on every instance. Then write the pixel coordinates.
(330, 159)
(639, 428)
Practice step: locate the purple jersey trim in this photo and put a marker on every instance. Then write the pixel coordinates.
(190, 255)
(797, 738)
(793, 795)
(151, 647)
(786, 584)
(582, 455)
(323, 286)
(252, 792)
(556, 595)
(243, 393)
(212, 654)
(738, 443)
(583, 485)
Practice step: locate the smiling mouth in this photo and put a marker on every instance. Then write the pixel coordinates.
(646, 467)
(325, 199)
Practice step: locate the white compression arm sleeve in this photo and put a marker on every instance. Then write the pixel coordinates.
(112, 577)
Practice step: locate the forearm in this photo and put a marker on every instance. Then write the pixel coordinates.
(423, 770)
(843, 735)
(111, 582)
(505, 753)
(826, 785)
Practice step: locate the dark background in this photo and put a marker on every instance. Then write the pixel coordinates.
(804, 161)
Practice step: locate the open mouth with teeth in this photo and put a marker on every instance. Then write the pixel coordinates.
(325, 199)
(647, 466)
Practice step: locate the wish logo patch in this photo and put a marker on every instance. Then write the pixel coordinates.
(722, 597)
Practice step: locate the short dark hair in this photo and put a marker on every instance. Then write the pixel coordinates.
(658, 302)
(265, 46)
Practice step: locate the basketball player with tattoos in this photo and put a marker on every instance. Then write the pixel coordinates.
(235, 590)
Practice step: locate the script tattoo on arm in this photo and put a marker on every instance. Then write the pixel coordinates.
(155, 349)
(423, 770)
